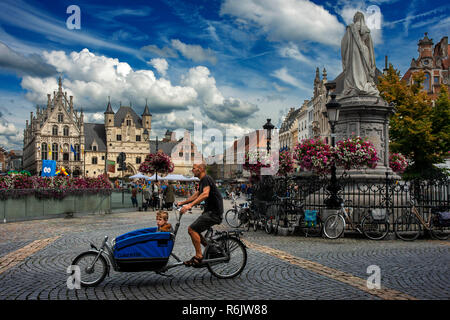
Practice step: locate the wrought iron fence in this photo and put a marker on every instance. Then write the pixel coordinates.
(393, 195)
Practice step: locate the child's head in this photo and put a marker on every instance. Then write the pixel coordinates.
(161, 218)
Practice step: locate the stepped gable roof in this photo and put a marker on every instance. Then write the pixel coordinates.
(122, 112)
(95, 132)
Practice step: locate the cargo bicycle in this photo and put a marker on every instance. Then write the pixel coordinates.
(225, 255)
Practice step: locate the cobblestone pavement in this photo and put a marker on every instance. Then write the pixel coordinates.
(34, 256)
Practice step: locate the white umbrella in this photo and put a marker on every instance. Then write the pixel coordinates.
(174, 177)
(140, 176)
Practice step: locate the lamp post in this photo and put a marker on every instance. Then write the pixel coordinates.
(332, 113)
(269, 127)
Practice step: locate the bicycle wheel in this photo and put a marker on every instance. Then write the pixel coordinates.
(334, 226)
(232, 218)
(374, 229)
(231, 267)
(91, 275)
(437, 231)
(407, 227)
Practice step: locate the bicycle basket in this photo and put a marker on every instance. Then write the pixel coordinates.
(379, 214)
(444, 218)
(310, 218)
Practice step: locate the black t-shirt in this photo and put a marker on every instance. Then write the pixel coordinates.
(214, 202)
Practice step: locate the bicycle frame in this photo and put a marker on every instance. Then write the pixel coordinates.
(425, 224)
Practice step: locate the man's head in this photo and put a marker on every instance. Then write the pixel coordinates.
(199, 170)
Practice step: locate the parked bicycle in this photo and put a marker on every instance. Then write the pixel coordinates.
(409, 225)
(232, 215)
(147, 250)
(374, 225)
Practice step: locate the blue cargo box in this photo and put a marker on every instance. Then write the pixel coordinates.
(143, 250)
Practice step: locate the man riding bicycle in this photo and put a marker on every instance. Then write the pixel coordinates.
(212, 214)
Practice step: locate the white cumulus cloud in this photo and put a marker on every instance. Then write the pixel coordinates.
(92, 78)
(288, 20)
(160, 65)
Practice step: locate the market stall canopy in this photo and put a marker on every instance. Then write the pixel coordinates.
(140, 176)
(153, 177)
(175, 177)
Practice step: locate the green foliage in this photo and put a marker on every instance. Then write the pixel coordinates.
(417, 129)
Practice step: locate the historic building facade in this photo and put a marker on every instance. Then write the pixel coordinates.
(58, 132)
(434, 62)
(55, 132)
(308, 121)
(320, 128)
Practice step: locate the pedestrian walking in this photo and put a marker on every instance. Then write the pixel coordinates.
(169, 196)
(147, 198)
(134, 197)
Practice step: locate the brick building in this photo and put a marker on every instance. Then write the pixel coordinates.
(434, 62)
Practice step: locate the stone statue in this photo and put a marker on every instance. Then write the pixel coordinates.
(358, 59)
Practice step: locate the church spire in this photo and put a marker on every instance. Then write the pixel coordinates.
(146, 111)
(109, 109)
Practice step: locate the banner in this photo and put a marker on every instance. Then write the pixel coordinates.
(73, 150)
(111, 165)
(48, 168)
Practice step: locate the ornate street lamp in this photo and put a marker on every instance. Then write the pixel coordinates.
(269, 127)
(332, 113)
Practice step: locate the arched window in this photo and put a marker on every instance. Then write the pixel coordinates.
(55, 151)
(66, 131)
(66, 152)
(55, 130)
(60, 117)
(44, 151)
(77, 150)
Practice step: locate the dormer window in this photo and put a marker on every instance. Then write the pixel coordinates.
(128, 123)
(94, 148)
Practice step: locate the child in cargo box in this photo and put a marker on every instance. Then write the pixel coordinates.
(161, 221)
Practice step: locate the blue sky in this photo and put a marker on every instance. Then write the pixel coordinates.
(229, 63)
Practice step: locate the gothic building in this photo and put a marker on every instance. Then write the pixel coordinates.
(308, 121)
(434, 62)
(52, 133)
(58, 132)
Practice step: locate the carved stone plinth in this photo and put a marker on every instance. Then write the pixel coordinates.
(367, 116)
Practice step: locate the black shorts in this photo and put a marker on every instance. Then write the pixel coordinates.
(205, 221)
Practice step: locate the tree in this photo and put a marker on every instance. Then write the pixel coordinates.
(417, 129)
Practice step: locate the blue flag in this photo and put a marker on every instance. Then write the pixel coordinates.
(48, 168)
(73, 150)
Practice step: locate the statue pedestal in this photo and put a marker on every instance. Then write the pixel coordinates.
(367, 117)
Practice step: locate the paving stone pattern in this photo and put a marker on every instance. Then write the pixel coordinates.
(418, 269)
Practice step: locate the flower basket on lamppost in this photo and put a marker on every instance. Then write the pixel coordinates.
(157, 162)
